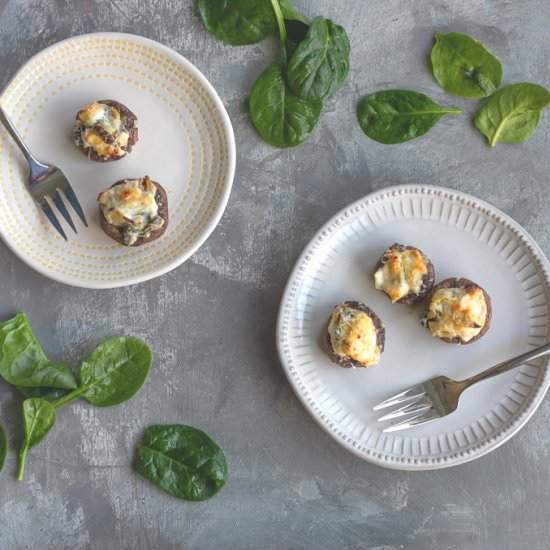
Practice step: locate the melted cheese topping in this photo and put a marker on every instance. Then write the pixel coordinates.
(401, 274)
(353, 334)
(132, 206)
(455, 312)
(100, 128)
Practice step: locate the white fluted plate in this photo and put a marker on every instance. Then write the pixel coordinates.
(464, 237)
(186, 143)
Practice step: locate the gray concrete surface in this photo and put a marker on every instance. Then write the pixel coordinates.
(211, 322)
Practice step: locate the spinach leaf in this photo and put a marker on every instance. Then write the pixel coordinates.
(238, 22)
(113, 373)
(50, 394)
(295, 23)
(38, 419)
(182, 461)
(395, 116)
(280, 117)
(24, 363)
(3, 447)
(320, 63)
(290, 13)
(511, 114)
(241, 22)
(463, 66)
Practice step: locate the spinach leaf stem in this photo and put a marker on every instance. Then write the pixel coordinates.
(282, 30)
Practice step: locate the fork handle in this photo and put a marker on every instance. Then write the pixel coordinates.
(7, 123)
(508, 365)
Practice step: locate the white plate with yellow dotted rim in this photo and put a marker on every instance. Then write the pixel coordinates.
(186, 143)
(464, 237)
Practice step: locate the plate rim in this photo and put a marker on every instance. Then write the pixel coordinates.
(496, 439)
(224, 196)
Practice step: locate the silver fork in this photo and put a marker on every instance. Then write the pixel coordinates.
(439, 396)
(46, 181)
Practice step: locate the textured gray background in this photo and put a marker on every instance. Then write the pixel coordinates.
(211, 322)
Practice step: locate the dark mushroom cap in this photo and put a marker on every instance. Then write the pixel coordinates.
(427, 280)
(468, 286)
(128, 121)
(346, 361)
(117, 233)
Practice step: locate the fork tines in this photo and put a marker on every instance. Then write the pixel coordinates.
(57, 200)
(415, 392)
(416, 409)
(71, 197)
(47, 209)
(416, 420)
(413, 408)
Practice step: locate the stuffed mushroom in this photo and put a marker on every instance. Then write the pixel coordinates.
(105, 130)
(355, 335)
(404, 273)
(134, 211)
(458, 311)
